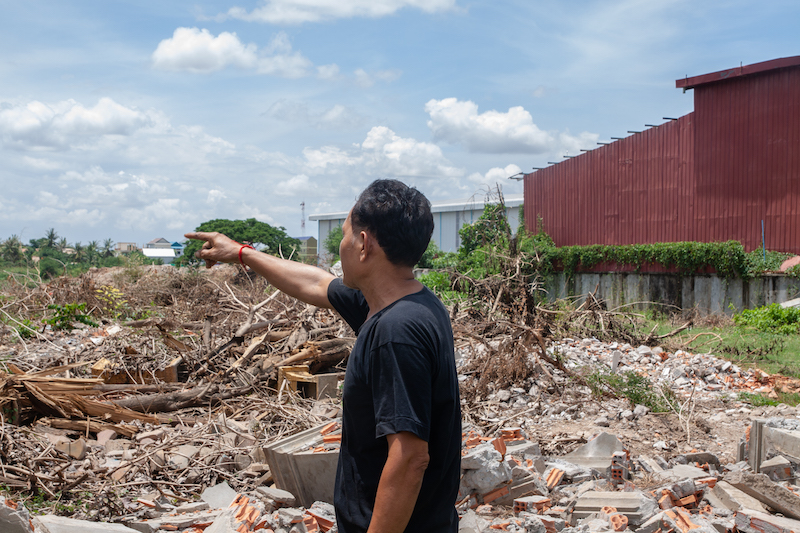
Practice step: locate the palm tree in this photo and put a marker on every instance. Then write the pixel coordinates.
(11, 250)
(50, 238)
(92, 251)
(62, 244)
(80, 252)
(108, 248)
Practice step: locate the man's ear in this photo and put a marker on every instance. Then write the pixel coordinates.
(365, 241)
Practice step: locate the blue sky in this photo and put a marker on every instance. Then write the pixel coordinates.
(132, 120)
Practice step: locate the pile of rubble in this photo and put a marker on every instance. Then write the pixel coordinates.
(223, 418)
(507, 484)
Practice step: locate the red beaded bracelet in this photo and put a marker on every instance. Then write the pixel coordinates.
(240, 253)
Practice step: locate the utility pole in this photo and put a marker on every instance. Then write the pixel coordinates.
(303, 219)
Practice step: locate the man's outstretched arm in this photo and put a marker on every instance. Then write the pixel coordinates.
(304, 282)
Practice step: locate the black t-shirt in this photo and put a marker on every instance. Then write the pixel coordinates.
(401, 376)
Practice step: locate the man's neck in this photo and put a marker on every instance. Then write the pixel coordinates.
(387, 286)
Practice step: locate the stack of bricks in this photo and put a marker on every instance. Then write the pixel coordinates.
(532, 504)
(617, 520)
(619, 471)
(686, 494)
(331, 438)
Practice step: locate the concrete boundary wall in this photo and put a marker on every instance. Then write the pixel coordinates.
(706, 292)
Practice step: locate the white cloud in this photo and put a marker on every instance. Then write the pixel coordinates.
(493, 176)
(41, 164)
(299, 11)
(458, 122)
(214, 196)
(328, 72)
(295, 185)
(337, 117)
(195, 50)
(366, 80)
(383, 153)
(198, 51)
(37, 125)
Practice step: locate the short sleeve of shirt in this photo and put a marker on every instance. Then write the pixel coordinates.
(349, 303)
(400, 378)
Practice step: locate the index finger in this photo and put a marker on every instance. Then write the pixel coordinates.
(198, 235)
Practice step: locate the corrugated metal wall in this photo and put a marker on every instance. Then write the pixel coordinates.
(748, 159)
(631, 191)
(712, 175)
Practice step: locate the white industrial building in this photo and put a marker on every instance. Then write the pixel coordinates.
(447, 219)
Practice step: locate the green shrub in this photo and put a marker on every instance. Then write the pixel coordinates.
(66, 315)
(430, 254)
(50, 268)
(770, 319)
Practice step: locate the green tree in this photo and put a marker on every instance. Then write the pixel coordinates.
(51, 238)
(432, 252)
(108, 248)
(11, 250)
(491, 228)
(80, 252)
(332, 241)
(260, 234)
(62, 244)
(92, 252)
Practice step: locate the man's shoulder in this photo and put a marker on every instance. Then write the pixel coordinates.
(415, 313)
(421, 305)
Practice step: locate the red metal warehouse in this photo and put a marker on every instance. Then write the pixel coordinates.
(711, 175)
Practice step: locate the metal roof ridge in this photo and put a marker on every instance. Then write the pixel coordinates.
(742, 70)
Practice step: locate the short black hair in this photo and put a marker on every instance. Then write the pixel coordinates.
(398, 216)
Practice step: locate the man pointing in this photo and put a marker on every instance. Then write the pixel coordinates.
(401, 425)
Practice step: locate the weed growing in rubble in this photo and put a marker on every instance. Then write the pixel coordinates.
(25, 329)
(114, 302)
(66, 315)
(637, 389)
(756, 400)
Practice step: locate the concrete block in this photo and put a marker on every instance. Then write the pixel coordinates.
(732, 498)
(778, 468)
(723, 525)
(636, 506)
(483, 456)
(681, 472)
(177, 522)
(649, 464)
(14, 518)
(766, 491)
(309, 475)
(472, 523)
(522, 448)
(220, 496)
(700, 457)
(284, 497)
(487, 478)
(748, 521)
(533, 486)
(193, 507)
(60, 524)
(597, 452)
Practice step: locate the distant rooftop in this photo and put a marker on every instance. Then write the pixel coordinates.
(455, 205)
